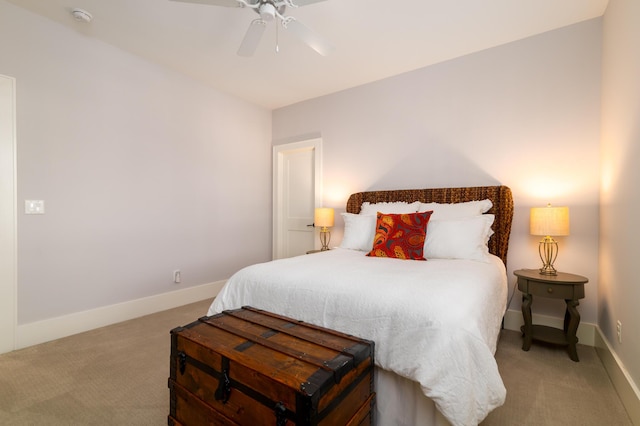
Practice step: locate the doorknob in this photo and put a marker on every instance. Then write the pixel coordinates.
(312, 225)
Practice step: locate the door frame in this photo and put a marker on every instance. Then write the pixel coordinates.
(279, 152)
(8, 217)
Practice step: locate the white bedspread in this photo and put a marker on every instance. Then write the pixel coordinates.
(435, 322)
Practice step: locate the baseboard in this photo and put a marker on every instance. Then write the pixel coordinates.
(586, 331)
(55, 328)
(622, 381)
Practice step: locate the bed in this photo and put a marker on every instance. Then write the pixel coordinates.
(436, 323)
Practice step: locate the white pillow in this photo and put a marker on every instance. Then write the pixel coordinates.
(359, 231)
(461, 238)
(456, 210)
(398, 207)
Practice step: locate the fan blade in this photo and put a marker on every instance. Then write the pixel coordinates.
(252, 37)
(308, 36)
(225, 3)
(301, 3)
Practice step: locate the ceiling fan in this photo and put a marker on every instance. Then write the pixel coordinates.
(269, 10)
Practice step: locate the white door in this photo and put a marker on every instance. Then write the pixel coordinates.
(7, 215)
(297, 191)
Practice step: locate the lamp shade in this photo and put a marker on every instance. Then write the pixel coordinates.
(323, 217)
(549, 221)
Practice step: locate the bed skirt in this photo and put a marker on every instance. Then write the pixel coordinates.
(400, 402)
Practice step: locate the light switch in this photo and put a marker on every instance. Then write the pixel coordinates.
(34, 206)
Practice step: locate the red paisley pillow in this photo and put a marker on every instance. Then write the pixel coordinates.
(400, 236)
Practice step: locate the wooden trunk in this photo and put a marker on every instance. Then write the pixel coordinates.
(252, 367)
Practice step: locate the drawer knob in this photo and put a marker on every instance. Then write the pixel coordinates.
(550, 290)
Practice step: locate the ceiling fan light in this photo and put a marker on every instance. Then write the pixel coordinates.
(267, 11)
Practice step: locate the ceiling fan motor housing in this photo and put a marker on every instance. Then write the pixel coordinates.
(267, 11)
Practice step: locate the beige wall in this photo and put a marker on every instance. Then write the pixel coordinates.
(525, 114)
(619, 291)
(142, 170)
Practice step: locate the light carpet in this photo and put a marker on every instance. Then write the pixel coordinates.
(118, 375)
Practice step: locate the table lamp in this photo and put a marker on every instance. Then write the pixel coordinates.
(549, 222)
(323, 218)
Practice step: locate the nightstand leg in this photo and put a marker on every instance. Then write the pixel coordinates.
(527, 328)
(571, 321)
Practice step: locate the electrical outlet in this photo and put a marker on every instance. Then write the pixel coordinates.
(619, 331)
(176, 276)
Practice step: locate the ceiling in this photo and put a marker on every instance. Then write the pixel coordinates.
(373, 39)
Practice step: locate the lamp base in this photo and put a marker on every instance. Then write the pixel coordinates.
(325, 237)
(548, 250)
(548, 270)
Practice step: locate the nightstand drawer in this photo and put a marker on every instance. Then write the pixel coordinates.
(556, 291)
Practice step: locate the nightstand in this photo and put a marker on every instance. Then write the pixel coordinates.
(569, 287)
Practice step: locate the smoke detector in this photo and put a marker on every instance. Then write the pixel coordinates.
(81, 15)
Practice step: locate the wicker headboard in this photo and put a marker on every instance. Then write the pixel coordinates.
(499, 195)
